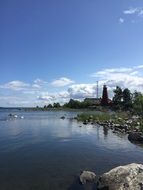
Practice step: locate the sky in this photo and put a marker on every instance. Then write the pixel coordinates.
(54, 50)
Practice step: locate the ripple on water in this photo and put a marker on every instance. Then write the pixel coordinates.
(42, 151)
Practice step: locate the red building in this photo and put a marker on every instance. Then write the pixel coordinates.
(105, 101)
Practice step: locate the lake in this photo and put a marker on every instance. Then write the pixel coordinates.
(44, 152)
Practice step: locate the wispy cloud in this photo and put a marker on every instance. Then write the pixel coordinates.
(61, 82)
(135, 13)
(15, 85)
(121, 20)
(131, 11)
(39, 83)
(138, 11)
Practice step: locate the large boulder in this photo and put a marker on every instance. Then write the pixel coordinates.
(129, 177)
(135, 136)
(87, 176)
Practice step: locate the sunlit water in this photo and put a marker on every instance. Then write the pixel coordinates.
(44, 152)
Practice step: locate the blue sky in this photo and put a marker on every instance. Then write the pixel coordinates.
(56, 50)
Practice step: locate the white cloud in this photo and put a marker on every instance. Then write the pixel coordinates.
(124, 77)
(135, 14)
(64, 95)
(46, 97)
(31, 95)
(38, 83)
(60, 97)
(26, 88)
(77, 91)
(141, 13)
(139, 67)
(112, 70)
(15, 85)
(61, 82)
(80, 91)
(121, 20)
(131, 11)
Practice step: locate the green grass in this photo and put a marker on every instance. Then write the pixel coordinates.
(102, 117)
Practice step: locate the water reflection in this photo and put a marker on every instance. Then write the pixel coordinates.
(43, 151)
(105, 131)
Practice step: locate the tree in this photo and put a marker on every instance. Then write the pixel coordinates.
(73, 104)
(86, 103)
(56, 105)
(49, 106)
(127, 98)
(45, 107)
(135, 96)
(118, 95)
(138, 103)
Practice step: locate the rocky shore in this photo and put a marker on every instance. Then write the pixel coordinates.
(130, 126)
(134, 132)
(128, 177)
(127, 126)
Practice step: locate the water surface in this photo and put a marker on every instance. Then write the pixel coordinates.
(44, 152)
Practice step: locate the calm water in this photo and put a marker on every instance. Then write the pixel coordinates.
(44, 152)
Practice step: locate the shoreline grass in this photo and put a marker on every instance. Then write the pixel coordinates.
(102, 117)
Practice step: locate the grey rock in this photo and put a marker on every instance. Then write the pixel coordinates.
(129, 121)
(129, 177)
(63, 117)
(87, 176)
(135, 136)
(135, 117)
(85, 122)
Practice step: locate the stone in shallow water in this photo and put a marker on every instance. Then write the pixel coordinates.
(87, 176)
(135, 136)
(63, 117)
(129, 177)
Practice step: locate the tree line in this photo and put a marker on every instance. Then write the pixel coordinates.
(122, 99)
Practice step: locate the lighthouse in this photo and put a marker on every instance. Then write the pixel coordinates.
(104, 100)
